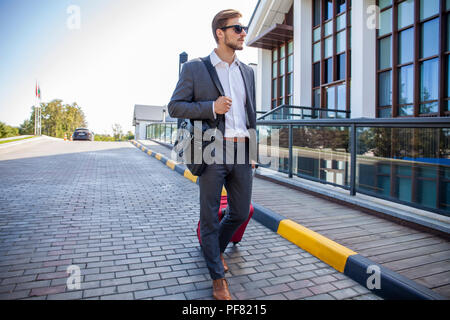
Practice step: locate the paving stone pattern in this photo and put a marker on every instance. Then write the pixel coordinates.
(128, 222)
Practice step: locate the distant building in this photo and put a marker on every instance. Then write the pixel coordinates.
(144, 115)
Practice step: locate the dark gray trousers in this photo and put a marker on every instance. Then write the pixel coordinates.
(237, 179)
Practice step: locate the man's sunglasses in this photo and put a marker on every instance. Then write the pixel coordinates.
(237, 28)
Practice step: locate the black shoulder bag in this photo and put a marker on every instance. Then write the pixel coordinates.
(185, 137)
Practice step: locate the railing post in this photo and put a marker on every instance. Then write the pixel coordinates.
(353, 160)
(290, 150)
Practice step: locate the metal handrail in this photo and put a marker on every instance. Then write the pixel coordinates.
(284, 106)
(361, 122)
(353, 124)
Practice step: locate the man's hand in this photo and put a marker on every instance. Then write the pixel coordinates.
(253, 164)
(222, 105)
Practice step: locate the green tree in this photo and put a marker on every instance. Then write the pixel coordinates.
(27, 128)
(8, 131)
(117, 132)
(129, 136)
(58, 118)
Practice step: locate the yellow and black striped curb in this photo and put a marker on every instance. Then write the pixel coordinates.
(378, 279)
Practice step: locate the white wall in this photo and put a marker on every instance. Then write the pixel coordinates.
(140, 132)
(302, 52)
(363, 62)
(264, 80)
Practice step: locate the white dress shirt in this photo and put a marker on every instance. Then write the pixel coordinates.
(233, 85)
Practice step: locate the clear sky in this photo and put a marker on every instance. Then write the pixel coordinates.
(122, 53)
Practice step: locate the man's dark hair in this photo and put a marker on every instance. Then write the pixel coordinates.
(220, 20)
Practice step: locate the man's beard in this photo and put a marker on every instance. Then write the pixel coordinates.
(234, 46)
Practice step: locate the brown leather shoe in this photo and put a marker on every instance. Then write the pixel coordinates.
(225, 266)
(220, 289)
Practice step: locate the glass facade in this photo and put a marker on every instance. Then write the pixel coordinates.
(408, 165)
(331, 56)
(282, 74)
(413, 46)
(283, 69)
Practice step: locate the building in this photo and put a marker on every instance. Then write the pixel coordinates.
(144, 115)
(374, 59)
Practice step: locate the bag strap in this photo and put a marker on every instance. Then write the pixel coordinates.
(213, 74)
(215, 79)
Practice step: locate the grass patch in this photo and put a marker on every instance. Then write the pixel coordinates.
(12, 140)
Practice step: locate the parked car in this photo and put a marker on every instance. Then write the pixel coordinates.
(83, 134)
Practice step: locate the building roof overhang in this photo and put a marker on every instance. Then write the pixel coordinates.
(267, 14)
(273, 37)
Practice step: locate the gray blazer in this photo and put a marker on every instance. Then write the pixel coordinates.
(196, 91)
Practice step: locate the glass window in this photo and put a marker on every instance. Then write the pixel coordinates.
(282, 66)
(316, 34)
(448, 32)
(290, 47)
(448, 75)
(406, 46)
(448, 5)
(341, 67)
(406, 85)
(340, 6)
(328, 28)
(406, 111)
(274, 89)
(290, 63)
(317, 12)
(341, 22)
(429, 80)
(317, 98)
(328, 9)
(316, 79)
(290, 81)
(317, 52)
(428, 8)
(330, 97)
(275, 55)
(384, 52)
(429, 108)
(341, 41)
(329, 70)
(341, 94)
(385, 113)
(274, 70)
(282, 86)
(405, 13)
(384, 3)
(385, 89)
(328, 47)
(282, 51)
(385, 22)
(430, 39)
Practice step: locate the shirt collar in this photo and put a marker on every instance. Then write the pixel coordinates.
(215, 60)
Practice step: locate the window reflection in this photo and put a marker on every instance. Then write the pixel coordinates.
(430, 39)
(406, 84)
(429, 80)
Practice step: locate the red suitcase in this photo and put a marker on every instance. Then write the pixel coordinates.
(237, 237)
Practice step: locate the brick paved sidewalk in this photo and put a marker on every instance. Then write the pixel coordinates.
(117, 214)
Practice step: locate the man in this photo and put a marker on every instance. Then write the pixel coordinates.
(197, 97)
